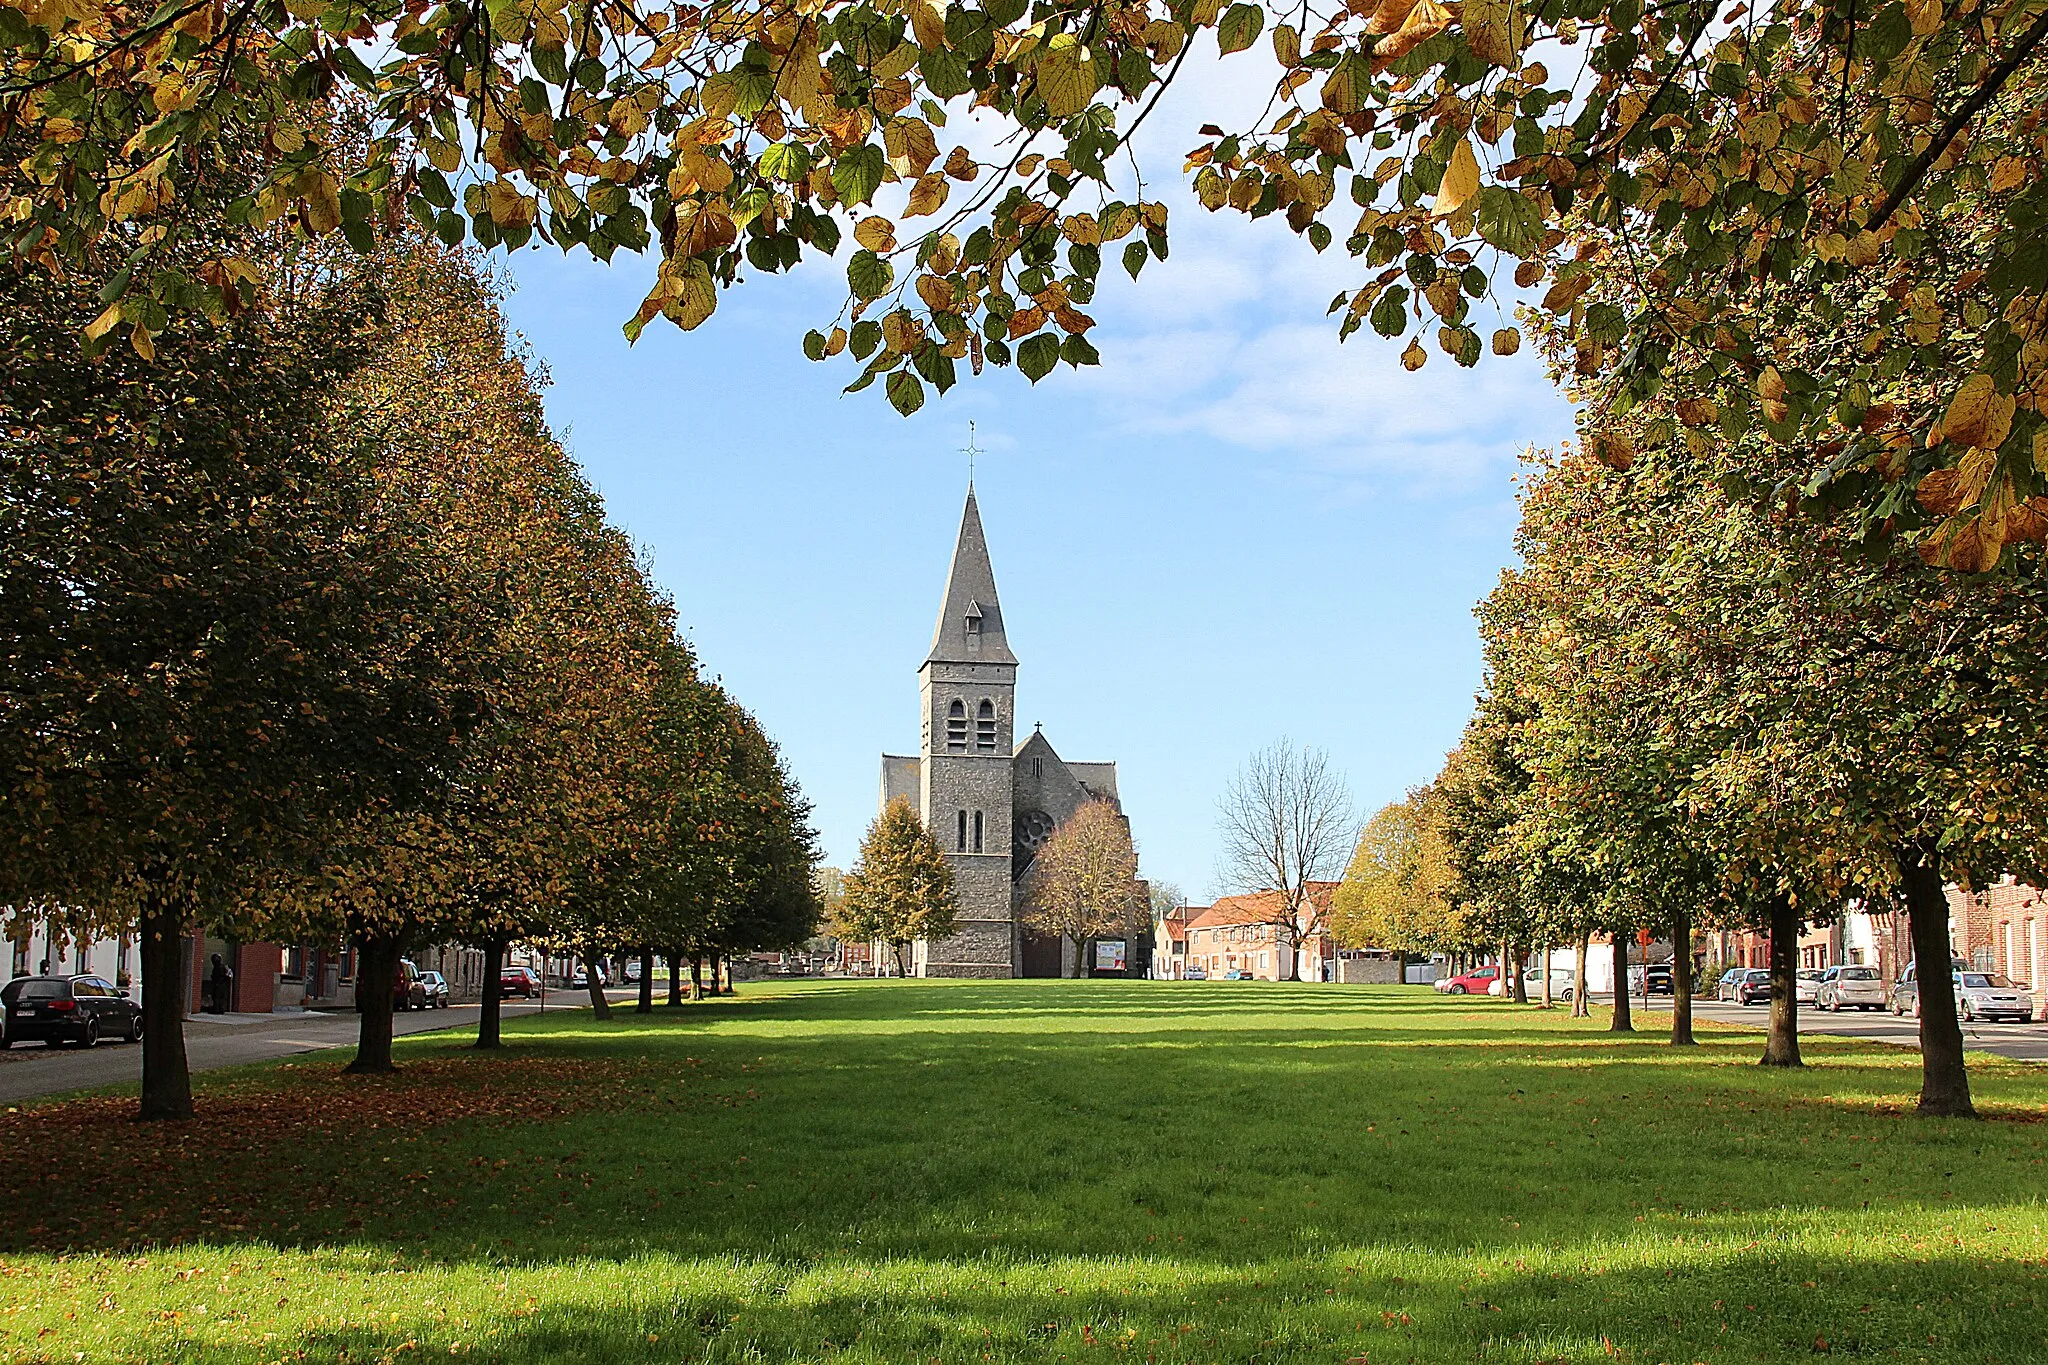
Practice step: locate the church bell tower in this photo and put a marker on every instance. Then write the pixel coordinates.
(968, 684)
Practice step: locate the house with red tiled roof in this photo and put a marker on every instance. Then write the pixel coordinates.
(1248, 934)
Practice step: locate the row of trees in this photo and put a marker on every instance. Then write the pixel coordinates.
(312, 631)
(1082, 884)
(1704, 711)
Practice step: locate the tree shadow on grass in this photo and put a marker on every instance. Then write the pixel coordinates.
(1703, 1302)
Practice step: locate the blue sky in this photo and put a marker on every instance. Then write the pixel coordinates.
(1235, 529)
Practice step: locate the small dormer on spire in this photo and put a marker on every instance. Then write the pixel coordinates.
(970, 628)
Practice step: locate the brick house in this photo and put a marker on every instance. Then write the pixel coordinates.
(1170, 942)
(1243, 934)
(2003, 928)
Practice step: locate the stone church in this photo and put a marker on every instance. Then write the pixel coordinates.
(989, 801)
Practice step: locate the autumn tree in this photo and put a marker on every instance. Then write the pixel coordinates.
(1398, 891)
(219, 639)
(901, 887)
(1083, 884)
(1283, 822)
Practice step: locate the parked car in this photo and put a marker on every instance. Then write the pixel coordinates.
(1197, 974)
(436, 988)
(580, 980)
(1988, 995)
(1806, 986)
(1656, 974)
(67, 1009)
(1905, 998)
(407, 991)
(1724, 986)
(520, 981)
(1474, 982)
(1752, 987)
(1562, 982)
(1851, 986)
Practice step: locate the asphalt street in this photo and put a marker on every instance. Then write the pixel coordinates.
(2025, 1042)
(31, 1070)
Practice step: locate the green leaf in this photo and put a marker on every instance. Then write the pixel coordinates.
(867, 334)
(858, 173)
(786, 161)
(1239, 28)
(906, 394)
(1134, 258)
(1076, 350)
(1390, 314)
(1509, 221)
(1037, 355)
(945, 72)
(814, 344)
(869, 275)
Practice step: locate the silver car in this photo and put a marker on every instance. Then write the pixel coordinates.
(1987, 995)
(1851, 987)
(1806, 986)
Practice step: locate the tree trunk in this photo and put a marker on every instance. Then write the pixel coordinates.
(376, 980)
(1401, 966)
(718, 974)
(1506, 966)
(697, 978)
(1581, 1007)
(1621, 1023)
(1944, 1084)
(1781, 1045)
(1681, 977)
(1543, 965)
(675, 976)
(166, 1079)
(1521, 981)
(1080, 957)
(646, 1005)
(492, 1014)
(600, 1008)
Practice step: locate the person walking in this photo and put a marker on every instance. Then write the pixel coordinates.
(222, 980)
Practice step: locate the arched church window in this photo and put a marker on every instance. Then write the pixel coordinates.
(960, 843)
(985, 725)
(977, 831)
(956, 725)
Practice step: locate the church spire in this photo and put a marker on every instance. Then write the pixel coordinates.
(970, 628)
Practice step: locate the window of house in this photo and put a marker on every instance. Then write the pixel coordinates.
(956, 725)
(985, 725)
(977, 831)
(974, 626)
(1038, 767)
(960, 842)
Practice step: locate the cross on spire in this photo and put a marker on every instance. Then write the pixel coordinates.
(970, 450)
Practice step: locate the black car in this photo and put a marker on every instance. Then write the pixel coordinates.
(67, 1009)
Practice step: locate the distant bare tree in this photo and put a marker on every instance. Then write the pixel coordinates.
(1284, 822)
(1084, 883)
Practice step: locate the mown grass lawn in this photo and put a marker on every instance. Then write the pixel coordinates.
(1043, 1171)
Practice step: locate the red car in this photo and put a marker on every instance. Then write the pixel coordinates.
(1471, 983)
(518, 981)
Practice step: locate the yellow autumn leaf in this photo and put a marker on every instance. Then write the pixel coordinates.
(1414, 358)
(696, 297)
(1494, 30)
(1066, 76)
(323, 203)
(928, 195)
(1969, 412)
(928, 24)
(1082, 229)
(1287, 45)
(103, 324)
(1461, 179)
(1925, 14)
(1506, 341)
(876, 233)
(2009, 173)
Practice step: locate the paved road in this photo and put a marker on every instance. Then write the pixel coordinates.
(31, 1070)
(2026, 1042)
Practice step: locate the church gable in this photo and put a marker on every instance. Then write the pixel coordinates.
(1045, 792)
